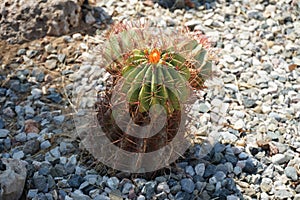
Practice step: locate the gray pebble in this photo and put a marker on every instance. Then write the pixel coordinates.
(31, 147)
(32, 193)
(51, 64)
(40, 183)
(200, 169)
(18, 155)
(45, 144)
(187, 185)
(4, 133)
(59, 119)
(31, 136)
(55, 152)
(127, 187)
(279, 158)
(291, 172)
(189, 169)
(163, 187)
(113, 183)
(266, 184)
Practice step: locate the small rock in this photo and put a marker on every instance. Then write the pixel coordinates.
(45, 144)
(75, 181)
(237, 170)
(89, 18)
(220, 175)
(283, 194)
(31, 147)
(187, 185)
(200, 169)
(266, 184)
(127, 187)
(40, 183)
(18, 155)
(31, 53)
(21, 52)
(31, 136)
(77, 36)
(61, 57)
(55, 97)
(149, 189)
(4, 133)
(163, 187)
(51, 64)
(113, 183)
(32, 193)
(55, 152)
(279, 158)
(21, 137)
(190, 170)
(291, 172)
(59, 119)
(141, 197)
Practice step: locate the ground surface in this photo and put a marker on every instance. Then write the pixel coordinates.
(259, 81)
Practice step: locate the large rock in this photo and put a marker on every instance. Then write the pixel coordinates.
(12, 178)
(23, 20)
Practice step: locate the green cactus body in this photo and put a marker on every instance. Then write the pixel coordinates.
(164, 82)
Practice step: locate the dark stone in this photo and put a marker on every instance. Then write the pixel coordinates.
(222, 167)
(75, 181)
(15, 85)
(217, 157)
(198, 178)
(209, 171)
(231, 158)
(31, 147)
(230, 184)
(57, 171)
(44, 170)
(219, 148)
(55, 97)
(51, 182)
(254, 150)
(40, 183)
(250, 167)
(249, 103)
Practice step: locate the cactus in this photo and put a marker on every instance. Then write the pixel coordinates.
(153, 69)
(149, 73)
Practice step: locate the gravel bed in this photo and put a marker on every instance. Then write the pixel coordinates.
(258, 85)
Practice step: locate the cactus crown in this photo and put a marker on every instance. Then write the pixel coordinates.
(157, 67)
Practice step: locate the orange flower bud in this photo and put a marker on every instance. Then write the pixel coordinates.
(154, 56)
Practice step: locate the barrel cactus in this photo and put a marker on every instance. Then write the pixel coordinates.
(155, 73)
(150, 72)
